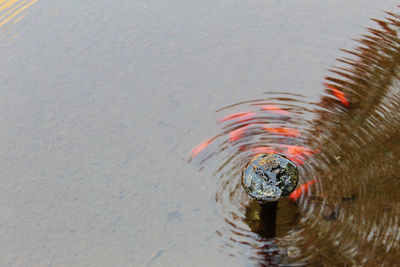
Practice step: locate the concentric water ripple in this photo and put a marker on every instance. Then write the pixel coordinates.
(347, 149)
(279, 123)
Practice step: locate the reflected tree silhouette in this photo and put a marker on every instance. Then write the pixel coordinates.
(360, 159)
(347, 149)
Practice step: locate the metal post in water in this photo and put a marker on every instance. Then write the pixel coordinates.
(268, 178)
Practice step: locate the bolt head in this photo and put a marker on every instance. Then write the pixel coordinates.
(270, 177)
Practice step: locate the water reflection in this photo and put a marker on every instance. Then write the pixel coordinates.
(361, 158)
(277, 123)
(347, 145)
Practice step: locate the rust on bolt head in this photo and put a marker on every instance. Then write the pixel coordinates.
(269, 177)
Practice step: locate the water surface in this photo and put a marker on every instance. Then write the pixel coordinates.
(102, 101)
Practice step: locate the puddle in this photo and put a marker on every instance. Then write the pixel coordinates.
(347, 144)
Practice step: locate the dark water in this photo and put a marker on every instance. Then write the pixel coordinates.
(102, 101)
(349, 153)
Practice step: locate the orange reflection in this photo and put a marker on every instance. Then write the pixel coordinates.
(290, 132)
(238, 133)
(296, 194)
(339, 94)
(200, 147)
(240, 116)
(264, 149)
(298, 150)
(295, 153)
(275, 109)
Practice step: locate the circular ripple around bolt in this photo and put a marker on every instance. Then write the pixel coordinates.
(227, 157)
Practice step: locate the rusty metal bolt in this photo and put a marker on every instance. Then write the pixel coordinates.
(269, 177)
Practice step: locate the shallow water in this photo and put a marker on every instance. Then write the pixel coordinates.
(102, 101)
(348, 154)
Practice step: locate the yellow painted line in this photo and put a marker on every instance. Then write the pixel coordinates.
(19, 18)
(8, 4)
(17, 12)
(2, 1)
(11, 10)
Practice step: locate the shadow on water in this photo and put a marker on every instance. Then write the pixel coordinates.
(347, 150)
